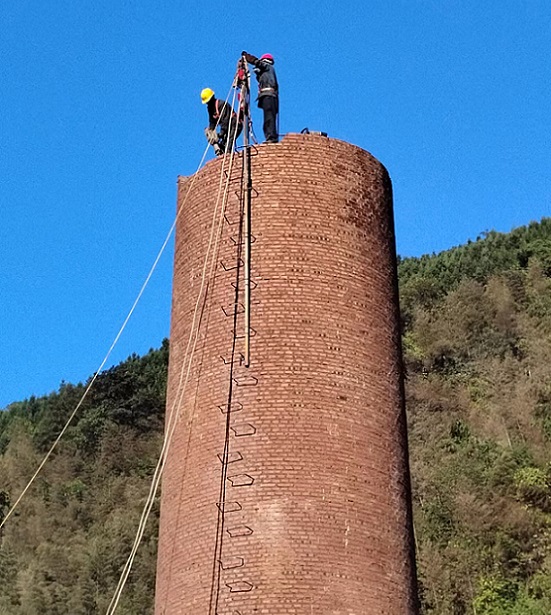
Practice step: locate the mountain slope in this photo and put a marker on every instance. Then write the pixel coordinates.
(477, 345)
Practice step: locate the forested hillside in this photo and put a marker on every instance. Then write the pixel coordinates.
(477, 346)
(64, 550)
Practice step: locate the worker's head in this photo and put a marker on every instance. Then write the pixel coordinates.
(268, 57)
(206, 95)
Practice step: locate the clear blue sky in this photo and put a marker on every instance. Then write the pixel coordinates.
(100, 112)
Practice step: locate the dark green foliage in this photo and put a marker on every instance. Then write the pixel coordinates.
(459, 431)
(133, 393)
(492, 253)
(543, 409)
(50, 414)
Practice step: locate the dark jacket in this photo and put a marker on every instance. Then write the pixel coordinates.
(265, 75)
(218, 109)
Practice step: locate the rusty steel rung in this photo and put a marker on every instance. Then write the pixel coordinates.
(224, 407)
(228, 220)
(236, 242)
(254, 193)
(253, 149)
(232, 457)
(240, 359)
(231, 563)
(238, 308)
(239, 587)
(233, 180)
(229, 507)
(246, 381)
(252, 282)
(241, 480)
(232, 267)
(241, 336)
(243, 429)
(239, 531)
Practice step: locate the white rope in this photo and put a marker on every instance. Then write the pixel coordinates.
(172, 419)
(91, 383)
(174, 413)
(111, 348)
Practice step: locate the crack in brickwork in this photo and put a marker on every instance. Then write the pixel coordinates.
(317, 510)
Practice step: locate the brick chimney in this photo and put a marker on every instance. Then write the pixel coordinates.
(309, 510)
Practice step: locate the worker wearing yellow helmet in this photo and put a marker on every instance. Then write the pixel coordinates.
(206, 95)
(222, 116)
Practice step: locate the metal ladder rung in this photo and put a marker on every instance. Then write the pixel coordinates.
(232, 267)
(236, 242)
(240, 337)
(239, 587)
(246, 381)
(238, 308)
(232, 562)
(241, 480)
(232, 457)
(243, 429)
(253, 285)
(224, 407)
(239, 531)
(239, 359)
(229, 507)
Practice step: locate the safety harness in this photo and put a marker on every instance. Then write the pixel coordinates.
(217, 112)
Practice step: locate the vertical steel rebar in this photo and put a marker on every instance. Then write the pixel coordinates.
(245, 91)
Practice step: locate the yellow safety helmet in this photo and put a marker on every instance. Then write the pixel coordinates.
(206, 95)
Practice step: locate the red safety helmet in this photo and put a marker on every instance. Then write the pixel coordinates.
(268, 56)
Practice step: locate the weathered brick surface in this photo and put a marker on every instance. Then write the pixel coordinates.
(317, 497)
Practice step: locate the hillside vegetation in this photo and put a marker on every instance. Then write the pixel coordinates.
(477, 347)
(64, 550)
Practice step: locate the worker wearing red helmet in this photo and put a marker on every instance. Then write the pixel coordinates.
(268, 93)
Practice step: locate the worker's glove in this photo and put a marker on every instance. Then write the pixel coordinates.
(211, 136)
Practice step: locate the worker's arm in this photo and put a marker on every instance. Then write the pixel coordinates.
(250, 58)
(211, 108)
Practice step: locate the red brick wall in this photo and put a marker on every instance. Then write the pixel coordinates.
(317, 516)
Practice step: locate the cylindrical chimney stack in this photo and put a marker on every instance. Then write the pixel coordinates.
(286, 488)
